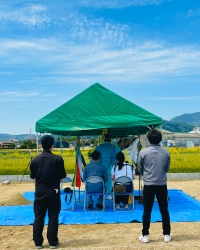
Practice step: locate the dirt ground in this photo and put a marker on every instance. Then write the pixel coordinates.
(100, 236)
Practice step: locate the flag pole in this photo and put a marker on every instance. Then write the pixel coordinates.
(77, 148)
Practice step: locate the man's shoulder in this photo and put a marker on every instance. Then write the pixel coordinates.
(102, 166)
(152, 147)
(165, 151)
(47, 156)
(90, 165)
(37, 157)
(56, 156)
(95, 164)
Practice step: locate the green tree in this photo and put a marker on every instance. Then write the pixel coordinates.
(28, 144)
(12, 145)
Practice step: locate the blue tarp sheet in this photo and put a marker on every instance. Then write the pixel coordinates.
(182, 208)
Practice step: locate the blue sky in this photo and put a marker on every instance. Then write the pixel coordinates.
(147, 51)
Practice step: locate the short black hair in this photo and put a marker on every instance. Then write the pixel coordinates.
(107, 138)
(154, 136)
(47, 141)
(95, 155)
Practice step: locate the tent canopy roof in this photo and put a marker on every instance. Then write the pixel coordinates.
(96, 111)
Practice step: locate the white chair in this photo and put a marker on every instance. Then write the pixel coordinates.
(123, 180)
(62, 192)
(94, 180)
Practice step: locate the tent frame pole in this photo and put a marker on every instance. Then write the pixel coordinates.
(61, 145)
(37, 143)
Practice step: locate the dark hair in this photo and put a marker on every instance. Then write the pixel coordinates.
(120, 157)
(95, 155)
(47, 141)
(154, 136)
(107, 138)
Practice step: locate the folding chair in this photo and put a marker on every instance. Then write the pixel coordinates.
(124, 180)
(94, 180)
(69, 194)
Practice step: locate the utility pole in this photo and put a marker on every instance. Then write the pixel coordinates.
(30, 134)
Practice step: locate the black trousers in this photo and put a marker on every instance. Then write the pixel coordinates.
(121, 198)
(148, 200)
(48, 200)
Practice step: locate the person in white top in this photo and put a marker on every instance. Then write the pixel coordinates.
(122, 168)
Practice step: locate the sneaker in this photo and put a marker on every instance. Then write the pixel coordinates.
(99, 205)
(144, 239)
(167, 238)
(109, 197)
(117, 206)
(38, 247)
(54, 247)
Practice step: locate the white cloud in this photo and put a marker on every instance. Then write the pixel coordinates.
(96, 30)
(49, 95)
(8, 93)
(6, 73)
(102, 50)
(13, 96)
(18, 94)
(145, 61)
(195, 12)
(31, 15)
(20, 51)
(119, 4)
(175, 98)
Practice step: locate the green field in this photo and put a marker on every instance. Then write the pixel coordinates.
(14, 162)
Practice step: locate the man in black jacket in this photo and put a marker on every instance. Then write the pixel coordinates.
(48, 170)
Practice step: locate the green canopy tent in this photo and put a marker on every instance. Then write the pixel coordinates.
(96, 111)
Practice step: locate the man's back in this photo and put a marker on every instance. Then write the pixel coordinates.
(95, 169)
(47, 169)
(153, 164)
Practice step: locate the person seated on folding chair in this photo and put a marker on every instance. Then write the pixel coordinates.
(122, 168)
(95, 168)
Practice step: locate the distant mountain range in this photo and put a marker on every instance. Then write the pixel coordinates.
(183, 123)
(178, 127)
(20, 137)
(191, 119)
(180, 124)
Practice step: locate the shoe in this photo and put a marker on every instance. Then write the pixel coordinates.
(54, 247)
(144, 239)
(167, 238)
(38, 247)
(109, 197)
(90, 205)
(117, 206)
(126, 206)
(99, 205)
